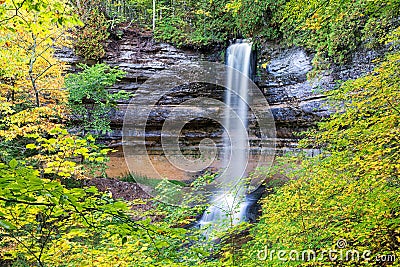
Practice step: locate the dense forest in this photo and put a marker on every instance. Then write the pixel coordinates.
(349, 192)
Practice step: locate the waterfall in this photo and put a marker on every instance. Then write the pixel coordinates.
(228, 206)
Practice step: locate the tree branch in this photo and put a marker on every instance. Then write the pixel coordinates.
(27, 202)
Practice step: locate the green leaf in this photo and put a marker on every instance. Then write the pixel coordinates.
(7, 225)
(13, 163)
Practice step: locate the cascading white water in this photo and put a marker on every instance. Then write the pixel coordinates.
(228, 207)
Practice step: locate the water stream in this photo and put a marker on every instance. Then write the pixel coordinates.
(228, 206)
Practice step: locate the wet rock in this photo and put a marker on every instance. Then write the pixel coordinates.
(297, 103)
(291, 65)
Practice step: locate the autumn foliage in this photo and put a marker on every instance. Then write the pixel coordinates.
(349, 192)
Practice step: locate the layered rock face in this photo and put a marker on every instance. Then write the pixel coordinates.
(296, 103)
